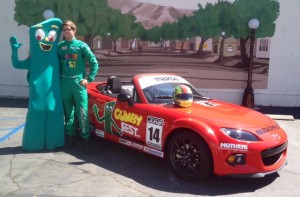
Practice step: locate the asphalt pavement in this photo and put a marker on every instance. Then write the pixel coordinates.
(112, 170)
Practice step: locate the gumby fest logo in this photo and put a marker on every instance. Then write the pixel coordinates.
(107, 118)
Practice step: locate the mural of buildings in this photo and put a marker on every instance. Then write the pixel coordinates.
(276, 56)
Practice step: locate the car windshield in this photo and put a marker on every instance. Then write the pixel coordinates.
(162, 93)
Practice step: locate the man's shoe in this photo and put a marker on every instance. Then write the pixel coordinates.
(85, 146)
(70, 141)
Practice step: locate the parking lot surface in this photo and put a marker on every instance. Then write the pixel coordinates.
(112, 170)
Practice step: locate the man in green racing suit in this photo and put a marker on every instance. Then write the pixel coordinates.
(73, 54)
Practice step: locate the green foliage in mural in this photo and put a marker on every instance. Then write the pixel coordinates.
(30, 12)
(223, 16)
(89, 15)
(128, 26)
(92, 17)
(122, 26)
(154, 34)
(226, 18)
(184, 28)
(168, 32)
(206, 22)
(266, 11)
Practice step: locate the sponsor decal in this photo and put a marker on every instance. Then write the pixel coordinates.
(155, 121)
(170, 78)
(64, 48)
(125, 142)
(153, 151)
(75, 48)
(137, 146)
(127, 117)
(267, 129)
(154, 132)
(99, 133)
(276, 136)
(147, 81)
(231, 146)
(207, 103)
(131, 130)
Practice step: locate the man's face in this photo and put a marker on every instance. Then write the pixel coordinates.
(68, 32)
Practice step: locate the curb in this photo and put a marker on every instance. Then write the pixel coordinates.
(281, 117)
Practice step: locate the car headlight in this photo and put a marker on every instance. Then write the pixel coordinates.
(239, 134)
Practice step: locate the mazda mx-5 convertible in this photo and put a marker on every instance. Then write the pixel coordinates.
(165, 116)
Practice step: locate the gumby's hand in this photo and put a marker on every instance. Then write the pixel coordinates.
(14, 43)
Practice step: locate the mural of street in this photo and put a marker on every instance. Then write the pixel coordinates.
(202, 72)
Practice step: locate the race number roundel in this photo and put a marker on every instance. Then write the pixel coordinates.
(154, 132)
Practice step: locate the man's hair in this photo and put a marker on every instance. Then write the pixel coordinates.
(70, 23)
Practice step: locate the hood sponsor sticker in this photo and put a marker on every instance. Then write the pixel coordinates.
(207, 103)
(267, 129)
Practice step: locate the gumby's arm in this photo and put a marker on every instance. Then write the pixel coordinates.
(23, 64)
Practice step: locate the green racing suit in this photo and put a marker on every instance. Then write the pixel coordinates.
(73, 55)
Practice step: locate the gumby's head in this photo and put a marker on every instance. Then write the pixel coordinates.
(45, 36)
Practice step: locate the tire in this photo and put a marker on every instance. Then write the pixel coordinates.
(189, 156)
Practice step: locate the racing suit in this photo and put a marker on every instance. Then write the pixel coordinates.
(73, 55)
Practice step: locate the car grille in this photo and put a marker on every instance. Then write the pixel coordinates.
(271, 156)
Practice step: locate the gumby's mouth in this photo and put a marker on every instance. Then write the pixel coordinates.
(45, 47)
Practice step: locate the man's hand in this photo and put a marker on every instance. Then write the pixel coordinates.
(84, 82)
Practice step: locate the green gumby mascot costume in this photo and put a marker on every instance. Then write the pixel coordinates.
(44, 127)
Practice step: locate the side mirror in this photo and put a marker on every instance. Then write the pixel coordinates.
(124, 97)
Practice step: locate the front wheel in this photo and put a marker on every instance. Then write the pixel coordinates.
(189, 156)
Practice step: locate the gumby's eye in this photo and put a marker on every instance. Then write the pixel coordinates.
(52, 36)
(39, 34)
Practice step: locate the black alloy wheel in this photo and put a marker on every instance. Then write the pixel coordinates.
(189, 156)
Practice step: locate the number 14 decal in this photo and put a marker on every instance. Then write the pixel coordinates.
(154, 135)
(154, 132)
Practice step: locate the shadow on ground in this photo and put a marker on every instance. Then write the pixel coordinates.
(14, 102)
(150, 171)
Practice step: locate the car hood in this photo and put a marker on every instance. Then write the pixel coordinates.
(226, 114)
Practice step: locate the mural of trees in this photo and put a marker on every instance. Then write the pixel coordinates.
(94, 17)
(232, 18)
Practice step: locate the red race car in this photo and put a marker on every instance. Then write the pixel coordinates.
(165, 116)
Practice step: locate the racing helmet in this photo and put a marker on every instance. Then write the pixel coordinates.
(183, 96)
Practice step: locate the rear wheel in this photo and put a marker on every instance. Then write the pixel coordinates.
(189, 156)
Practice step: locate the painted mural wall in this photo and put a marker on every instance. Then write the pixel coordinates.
(207, 42)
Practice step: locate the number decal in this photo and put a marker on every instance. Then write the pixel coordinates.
(154, 132)
(154, 135)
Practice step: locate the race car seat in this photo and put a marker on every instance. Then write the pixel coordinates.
(113, 86)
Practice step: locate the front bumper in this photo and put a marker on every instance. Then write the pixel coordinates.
(256, 175)
(257, 162)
